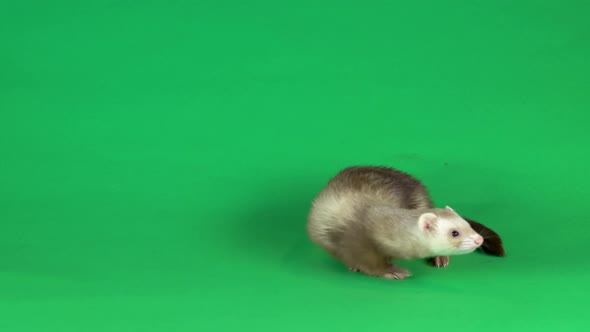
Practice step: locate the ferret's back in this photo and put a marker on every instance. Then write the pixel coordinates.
(353, 189)
(394, 187)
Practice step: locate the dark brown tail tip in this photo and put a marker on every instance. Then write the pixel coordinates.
(492, 244)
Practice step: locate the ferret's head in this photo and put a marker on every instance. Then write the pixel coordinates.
(448, 233)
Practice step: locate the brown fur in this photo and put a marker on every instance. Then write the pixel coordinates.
(392, 183)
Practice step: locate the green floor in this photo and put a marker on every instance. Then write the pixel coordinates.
(158, 159)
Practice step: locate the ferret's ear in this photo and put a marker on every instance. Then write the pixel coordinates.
(449, 208)
(427, 221)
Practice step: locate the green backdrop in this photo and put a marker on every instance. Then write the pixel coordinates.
(158, 159)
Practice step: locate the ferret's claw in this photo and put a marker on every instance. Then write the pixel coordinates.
(439, 261)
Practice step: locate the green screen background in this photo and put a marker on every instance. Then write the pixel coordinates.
(158, 159)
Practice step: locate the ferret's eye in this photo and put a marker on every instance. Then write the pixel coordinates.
(454, 233)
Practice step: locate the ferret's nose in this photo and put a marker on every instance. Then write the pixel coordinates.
(478, 240)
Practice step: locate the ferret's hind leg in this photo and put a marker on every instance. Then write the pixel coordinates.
(362, 257)
(375, 268)
(394, 272)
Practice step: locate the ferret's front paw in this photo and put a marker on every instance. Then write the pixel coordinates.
(394, 272)
(439, 261)
(354, 269)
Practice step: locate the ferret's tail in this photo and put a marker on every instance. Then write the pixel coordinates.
(492, 243)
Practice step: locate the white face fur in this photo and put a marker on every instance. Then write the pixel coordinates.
(448, 233)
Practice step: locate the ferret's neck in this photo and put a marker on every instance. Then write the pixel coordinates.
(397, 231)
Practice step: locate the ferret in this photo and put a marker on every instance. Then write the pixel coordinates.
(369, 216)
